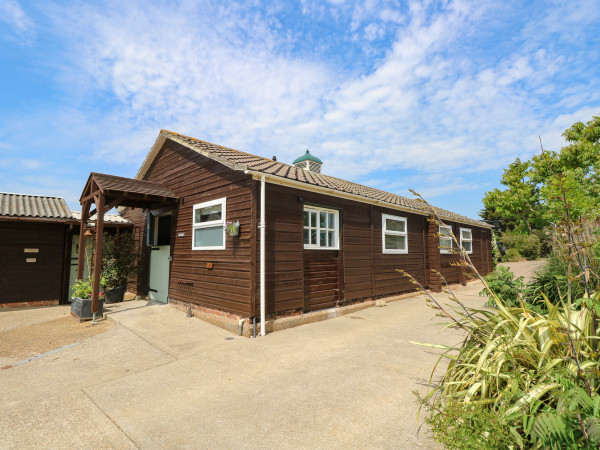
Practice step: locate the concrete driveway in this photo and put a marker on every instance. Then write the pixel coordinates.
(157, 379)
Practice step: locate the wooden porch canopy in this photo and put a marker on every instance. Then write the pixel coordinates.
(108, 192)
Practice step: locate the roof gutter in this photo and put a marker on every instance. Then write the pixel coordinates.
(256, 175)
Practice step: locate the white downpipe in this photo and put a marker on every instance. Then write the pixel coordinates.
(262, 227)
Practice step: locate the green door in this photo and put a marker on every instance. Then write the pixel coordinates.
(159, 237)
(159, 273)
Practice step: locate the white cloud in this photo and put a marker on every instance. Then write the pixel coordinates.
(225, 74)
(13, 15)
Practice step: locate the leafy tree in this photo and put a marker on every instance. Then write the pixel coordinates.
(537, 190)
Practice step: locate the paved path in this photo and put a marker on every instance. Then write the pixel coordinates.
(525, 269)
(160, 380)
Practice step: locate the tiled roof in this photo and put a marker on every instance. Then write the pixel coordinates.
(131, 186)
(244, 161)
(108, 218)
(34, 206)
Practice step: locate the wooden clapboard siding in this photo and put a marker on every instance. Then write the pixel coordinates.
(387, 278)
(196, 179)
(296, 279)
(138, 283)
(284, 247)
(42, 280)
(321, 279)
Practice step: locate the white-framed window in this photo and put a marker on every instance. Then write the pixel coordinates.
(321, 228)
(394, 235)
(445, 239)
(208, 225)
(466, 239)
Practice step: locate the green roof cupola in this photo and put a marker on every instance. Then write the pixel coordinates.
(309, 162)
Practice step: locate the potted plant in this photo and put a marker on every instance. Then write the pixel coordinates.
(81, 303)
(232, 228)
(119, 262)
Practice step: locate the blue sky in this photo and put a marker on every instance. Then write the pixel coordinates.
(438, 96)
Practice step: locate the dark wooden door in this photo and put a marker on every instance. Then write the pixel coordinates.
(31, 261)
(321, 279)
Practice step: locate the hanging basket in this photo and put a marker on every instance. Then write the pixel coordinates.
(232, 228)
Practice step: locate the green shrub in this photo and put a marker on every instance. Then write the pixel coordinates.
(552, 281)
(527, 245)
(119, 259)
(504, 284)
(496, 255)
(522, 372)
(82, 289)
(512, 255)
(468, 426)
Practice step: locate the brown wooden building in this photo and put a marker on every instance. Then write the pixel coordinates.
(327, 241)
(39, 238)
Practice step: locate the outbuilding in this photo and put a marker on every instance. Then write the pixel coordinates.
(39, 247)
(326, 242)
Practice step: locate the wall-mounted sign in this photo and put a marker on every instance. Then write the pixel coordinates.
(31, 250)
(32, 260)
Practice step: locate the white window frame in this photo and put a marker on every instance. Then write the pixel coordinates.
(442, 229)
(336, 229)
(385, 232)
(466, 240)
(211, 224)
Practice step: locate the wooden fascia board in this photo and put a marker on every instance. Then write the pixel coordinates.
(160, 140)
(273, 179)
(86, 190)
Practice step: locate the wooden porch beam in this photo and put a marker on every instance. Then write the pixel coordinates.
(113, 203)
(80, 260)
(91, 196)
(98, 255)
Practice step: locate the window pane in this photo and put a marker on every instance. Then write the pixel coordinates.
(331, 236)
(323, 239)
(208, 214)
(208, 237)
(444, 231)
(445, 244)
(323, 217)
(313, 219)
(395, 242)
(468, 245)
(313, 236)
(395, 225)
(331, 221)
(306, 219)
(466, 234)
(306, 235)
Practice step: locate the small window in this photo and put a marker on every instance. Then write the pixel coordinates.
(466, 239)
(394, 235)
(208, 224)
(445, 239)
(321, 228)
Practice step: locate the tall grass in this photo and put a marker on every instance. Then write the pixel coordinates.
(520, 378)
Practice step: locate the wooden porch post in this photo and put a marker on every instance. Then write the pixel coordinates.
(98, 256)
(85, 209)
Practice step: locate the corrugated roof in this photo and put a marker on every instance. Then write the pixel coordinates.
(238, 160)
(108, 218)
(34, 206)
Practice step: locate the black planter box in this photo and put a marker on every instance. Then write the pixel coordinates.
(114, 295)
(81, 308)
